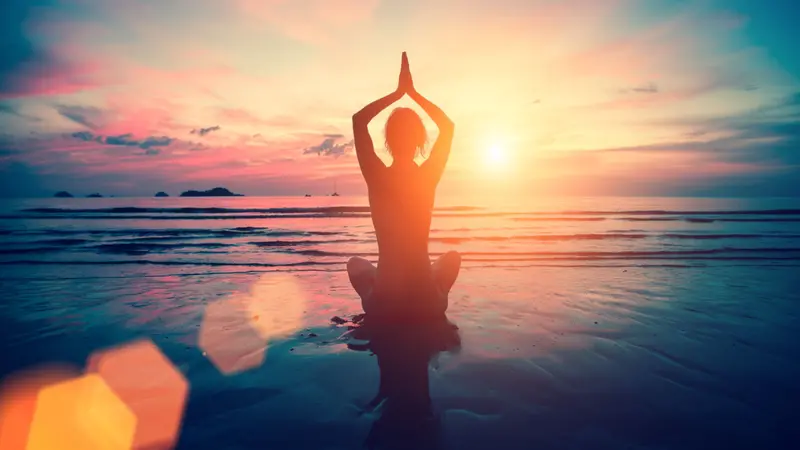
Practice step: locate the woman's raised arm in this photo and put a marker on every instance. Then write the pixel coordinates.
(441, 148)
(367, 159)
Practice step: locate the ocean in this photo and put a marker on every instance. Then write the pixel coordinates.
(584, 323)
(323, 232)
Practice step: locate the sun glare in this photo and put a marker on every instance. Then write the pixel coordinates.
(496, 156)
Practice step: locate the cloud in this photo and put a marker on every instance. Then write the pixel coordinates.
(123, 139)
(11, 110)
(157, 67)
(204, 131)
(753, 153)
(18, 52)
(153, 141)
(704, 84)
(767, 136)
(8, 109)
(789, 101)
(28, 69)
(647, 88)
(88, 116)
(749, 87)
(123, 113)
(309, 21)
(127, 140)
(87, 136)
(47, 78)
(240, 116)
(330, 147)
(244, 117)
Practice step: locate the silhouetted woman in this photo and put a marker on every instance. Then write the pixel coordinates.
(405, 284)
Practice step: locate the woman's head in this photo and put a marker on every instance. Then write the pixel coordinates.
(405, 134)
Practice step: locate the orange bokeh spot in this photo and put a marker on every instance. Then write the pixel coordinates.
(228, 339)
(276, 305)
(235, 331)
(82, 413)
(18, 401)
(153, 389)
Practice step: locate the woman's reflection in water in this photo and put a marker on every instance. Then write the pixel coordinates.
(404, 352)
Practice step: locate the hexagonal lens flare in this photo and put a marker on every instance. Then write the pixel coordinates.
(18, 400)
(154, 390)
(81, 413)
(235, 331)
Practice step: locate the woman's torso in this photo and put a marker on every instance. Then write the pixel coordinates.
(401, 208)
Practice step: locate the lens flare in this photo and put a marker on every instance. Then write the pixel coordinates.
(18, 401)
(154, 390)
(235, 331)
(81, 413)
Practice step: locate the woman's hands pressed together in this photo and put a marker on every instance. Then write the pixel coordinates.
(406, 84)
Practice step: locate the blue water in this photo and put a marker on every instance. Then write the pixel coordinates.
(582, 323)
(298, 232)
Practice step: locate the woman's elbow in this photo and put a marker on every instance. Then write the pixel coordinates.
(447, 127)
(359, 121)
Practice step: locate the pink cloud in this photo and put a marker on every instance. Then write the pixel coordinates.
(311, 21)
(53, 77)
(203, 76)
(241, 116)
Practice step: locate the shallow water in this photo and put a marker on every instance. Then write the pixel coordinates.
(324, 231)
(562, 354)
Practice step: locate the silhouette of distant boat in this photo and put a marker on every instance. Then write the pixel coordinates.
(308, 195)
(335, 194)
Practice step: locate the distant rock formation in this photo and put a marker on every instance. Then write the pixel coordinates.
(162, 194)
(216, 192)
(95, 195)
(63, 194)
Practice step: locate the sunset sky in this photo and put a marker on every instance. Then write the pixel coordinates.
(578, 97)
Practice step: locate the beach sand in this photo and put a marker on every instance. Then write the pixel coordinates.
(549, 357)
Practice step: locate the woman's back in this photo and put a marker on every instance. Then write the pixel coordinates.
(401, 208)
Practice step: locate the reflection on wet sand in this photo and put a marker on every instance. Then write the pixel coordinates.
(404, 352)
(593, 358)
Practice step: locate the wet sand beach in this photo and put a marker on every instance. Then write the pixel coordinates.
(581, 351)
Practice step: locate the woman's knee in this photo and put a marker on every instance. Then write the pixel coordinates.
(357, 265)
(452, 259)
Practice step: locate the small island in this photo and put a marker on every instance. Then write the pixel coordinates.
(161, 194)
(216, 192)
(95, 195)
(63, 194)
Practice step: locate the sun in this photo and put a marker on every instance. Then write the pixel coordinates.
(496, 156)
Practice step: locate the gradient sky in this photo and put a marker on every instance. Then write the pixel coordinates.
(585, 97)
